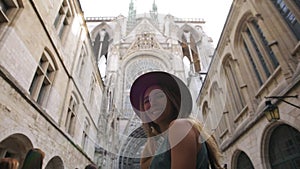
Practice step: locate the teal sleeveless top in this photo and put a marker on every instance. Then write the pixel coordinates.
(163, 158)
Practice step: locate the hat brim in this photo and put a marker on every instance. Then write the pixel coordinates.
(160, 78)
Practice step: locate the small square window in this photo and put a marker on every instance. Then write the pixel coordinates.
(5, 8)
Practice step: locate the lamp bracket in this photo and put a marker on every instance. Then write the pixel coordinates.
(281, 98)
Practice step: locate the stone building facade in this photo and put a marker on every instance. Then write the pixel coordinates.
(129, 47)
(51, 88)
(256, 57)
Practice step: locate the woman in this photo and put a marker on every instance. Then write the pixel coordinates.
(9, 163)
(34, 159)
(174, 140)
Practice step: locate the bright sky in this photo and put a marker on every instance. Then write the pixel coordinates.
(214, 12)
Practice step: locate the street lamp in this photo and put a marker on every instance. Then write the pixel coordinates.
(271, 111)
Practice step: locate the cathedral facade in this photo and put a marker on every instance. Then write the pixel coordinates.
(130, 46)
(51, 88)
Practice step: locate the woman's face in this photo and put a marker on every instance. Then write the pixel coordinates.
(156, 104)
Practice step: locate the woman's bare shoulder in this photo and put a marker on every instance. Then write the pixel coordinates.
(181, 128)
(181, 124)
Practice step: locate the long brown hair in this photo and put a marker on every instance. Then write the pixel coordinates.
(214, 153)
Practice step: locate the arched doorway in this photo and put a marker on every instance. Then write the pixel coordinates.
(130, 156)
(15, 146)
(55, 163)
(284, 148)
(243, 161)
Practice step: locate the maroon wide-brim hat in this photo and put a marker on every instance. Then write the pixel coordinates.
(169, 81)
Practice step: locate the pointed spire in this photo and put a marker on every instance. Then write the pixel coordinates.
(154, 13)
(132, 11)
(131, 6)
(131, 17)
(154, 7)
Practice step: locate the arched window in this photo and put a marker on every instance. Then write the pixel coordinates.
(205, 111)
(8, 9)
(85, 134)
(71, 115)
(63, 18)
(244, 162)
(92, 89)
(102, 64)
(284, 148)
(189, 49)
(55, 163)
(237, 99)
(43, 78)
(217, 108)
(82, 61)
(15, 146)
(288, 14)
(206, 116)
(260, 57)
(134, 69)
(186, 65)
(101, 44)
